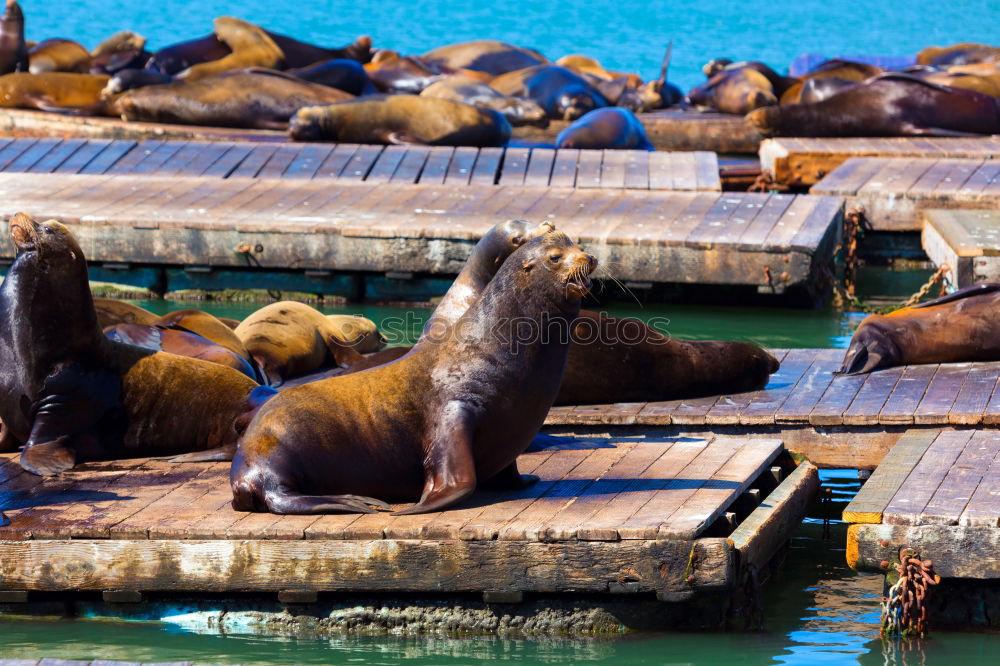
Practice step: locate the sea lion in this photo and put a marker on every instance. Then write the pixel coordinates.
(827, 78)
(611, 128)
(13, 50)
(130, 79)
(124, 41)
(985, 84)
(485, 55)
(341, 73)
(58, 55)
(962, 326)
(814, 90)
(401, 119)
(734, 90)
(255, 98)
(250, 46)
(207, 326)
(180, 342)
(178, 57)
(565, 95)
(432, 424)
(392, 73)
(303, 54)
(585, 64)
(517, 110)
(71, 394)
(965, 53)
(887, 105)
(53, 91)
(122, 50)
(111, 311)
(289, 339)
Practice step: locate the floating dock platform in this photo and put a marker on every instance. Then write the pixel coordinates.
(939, 494)
(845, 421)
(967, 241)
(770, 243)
(894, 192)
(681, 521)
(803, 161)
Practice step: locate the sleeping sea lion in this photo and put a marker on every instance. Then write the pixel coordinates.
(130, 79)
(122, 50)
(963, 326)
(965, 53)
(401, 119)
(178, 57)
(13, 50)
(828, 77)
(611, 128)
(180, 342)
(254, 98)
(124, 41)
(289, 339)
(250, 46)
(71, 394)
(53, 91)
(517, 110)
(304, 54)
(207, 326)
(436, 422)
(887, 105)
(341, 73)
(392, 73)
(485, 55)
(814, 90)
(738, 90)
(58, 55)
(564, 94)
(111, 311)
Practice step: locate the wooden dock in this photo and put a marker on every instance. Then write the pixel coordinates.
(772, 243)
(678, 519)
(538, 167)
(968, 241)
(939, 494)
(894, 191)
(848, 421)
(669, 129)
(805, 161)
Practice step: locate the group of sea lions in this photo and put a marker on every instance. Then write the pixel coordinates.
(244, 76)
(318, 416)
(953, 91)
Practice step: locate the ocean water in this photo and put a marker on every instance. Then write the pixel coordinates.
(628, 35)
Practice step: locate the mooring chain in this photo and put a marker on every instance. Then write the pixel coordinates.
(940, 277)
(249, 253)
(904, 608)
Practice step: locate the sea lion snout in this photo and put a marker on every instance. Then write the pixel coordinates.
(23, 230)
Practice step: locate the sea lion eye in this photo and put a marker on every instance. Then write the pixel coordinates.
(554, 258)
(47, 230)
(516, 240)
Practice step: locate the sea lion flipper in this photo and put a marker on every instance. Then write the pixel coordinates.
(48, 458)
(218, 454)
(402, 139)
(284, 502)
(909, 129)
(509, 478)
(450, 467)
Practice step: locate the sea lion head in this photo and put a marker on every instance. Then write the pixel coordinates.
(871, 348)
(12, 12)
(714, 66)
(49, 243)
(574, 102)
(763, 119)
(308, 123)
(555, 265)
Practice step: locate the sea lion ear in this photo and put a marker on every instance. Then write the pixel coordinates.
(528, 265)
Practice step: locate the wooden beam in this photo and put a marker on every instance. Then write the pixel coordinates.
(868, 505)
(957, 551)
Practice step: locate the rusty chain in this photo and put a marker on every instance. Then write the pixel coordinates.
(248, 252)
(904, 608)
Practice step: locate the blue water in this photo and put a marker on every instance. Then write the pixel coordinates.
(623, 34)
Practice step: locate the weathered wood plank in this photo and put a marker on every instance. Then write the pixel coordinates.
(957, 551)
(961, 481)
(876, 493)
(941, 393)
(909, 502)
(871, 397)
(907, 394)
(515, 165)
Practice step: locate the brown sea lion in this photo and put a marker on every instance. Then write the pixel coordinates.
(611, 128)
(401, 119)
(250, 46)
(58, 55)
(124, 41)
(963, 326)
(289, 339)
(122, 50)
(111, 311)
(180, 342)
(304, 54)
(564, 94)
(254, 98)
(52, 91)
(432, 424)
(838, 72)
(887, 105)
(392, 73)
(958, 54)
(517, 110)
(814, 90)
(738, 90)
(178, 57)
(985, 84)
(71, 394)
(207, 326)
(130, 79)
(13, 50)
(485, 55)
(341, 73)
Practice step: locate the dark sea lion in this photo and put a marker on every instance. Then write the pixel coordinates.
(53, 91)
(486, 55)
(130, 79)
(111, 311)
(289, 339)
(958, 54)
(564, 94)
(815, 90)
(610, 128)
(625, 360)
(71, 394)
(13, 50)
(392, 73)
(887, 105)
(122, 50)
(249, 46)
(518, 110)
(432, 424)
(963, 326)
(341, 73)
(401, 119)
(252, 98)
(180, 342)
(183, 55)
(304, 54)
(827, 78)
(58, 55)
(737, 90)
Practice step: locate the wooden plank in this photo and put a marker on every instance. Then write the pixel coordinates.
(661, 170)
(460, 169)
(684, 175)
(637, 169)
(360, 163)
(436, 168)
(152, 161)
(308, 161)
(564, 168)
(829, 410)
(117, 150)
(337, 161)
(386, 164)
(850, 176)
(83, 156)
(179, 161)
(228, 161)
(251, 165)
(412, 165)
(941, 393)
(983, 509)
(907, 505)
(757, 231)
(763, 408)
(716, 221)
(279, 161)
(706, 169)
(540, 166)
(868, 403)
(789, 224)
(487, 165)
(515, 165)
(828, 213)
(974, 396)
(907, 394)
(613, 169)
(876, 493)
(11, 151)
(588, 169)
(953, 496)
(56, 157)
